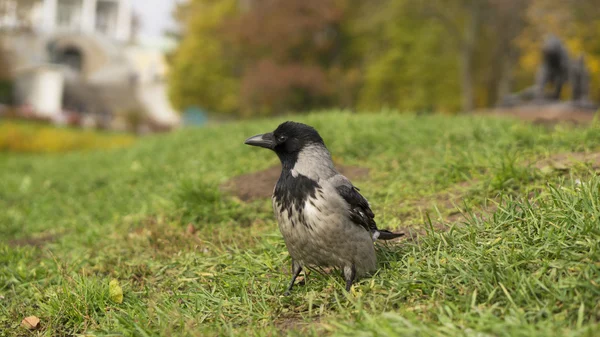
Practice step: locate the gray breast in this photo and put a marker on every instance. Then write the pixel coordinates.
(322, 233)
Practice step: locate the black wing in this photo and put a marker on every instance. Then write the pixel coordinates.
(360, 211)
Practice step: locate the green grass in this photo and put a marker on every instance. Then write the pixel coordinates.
(528, 266)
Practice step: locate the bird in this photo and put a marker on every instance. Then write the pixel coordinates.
(323, 218)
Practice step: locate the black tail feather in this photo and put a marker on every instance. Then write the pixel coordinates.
(387, 235)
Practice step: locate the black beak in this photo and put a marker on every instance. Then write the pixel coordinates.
(266, 140)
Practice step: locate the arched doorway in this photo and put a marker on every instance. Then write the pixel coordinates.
(69, 56)
(85, 54)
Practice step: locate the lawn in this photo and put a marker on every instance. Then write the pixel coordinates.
(503, 234)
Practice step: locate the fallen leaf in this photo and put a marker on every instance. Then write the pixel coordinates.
(30, 322)
(115, 292)
(190, 229)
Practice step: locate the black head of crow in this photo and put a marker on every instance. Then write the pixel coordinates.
(288, 140)
(323, 218)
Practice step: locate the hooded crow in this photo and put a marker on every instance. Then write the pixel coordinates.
(324, 220)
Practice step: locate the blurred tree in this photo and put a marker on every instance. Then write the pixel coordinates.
(204, 72)
(586, 15)
(260, 57)
(462, 20)
(497, 51)
(285, 48)
(409, 65)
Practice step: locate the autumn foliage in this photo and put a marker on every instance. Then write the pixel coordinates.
(263, 57)
(39, 138)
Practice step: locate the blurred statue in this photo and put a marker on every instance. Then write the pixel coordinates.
(554, 70)
(580, 79)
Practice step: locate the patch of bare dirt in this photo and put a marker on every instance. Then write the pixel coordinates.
(447, 203)
(162, 238)
(38, 241)
(259, 185)
(563, 161)
(294, 323)
(548, 114)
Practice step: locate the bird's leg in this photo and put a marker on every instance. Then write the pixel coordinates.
(296, 269)
(349, 276)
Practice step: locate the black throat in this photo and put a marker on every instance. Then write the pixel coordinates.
(292, 192)
(288, 160)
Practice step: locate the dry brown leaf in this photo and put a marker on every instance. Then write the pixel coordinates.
(30, 322)
(191, 230)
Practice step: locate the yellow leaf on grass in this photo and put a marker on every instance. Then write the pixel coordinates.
(30, 322)
(115, 292)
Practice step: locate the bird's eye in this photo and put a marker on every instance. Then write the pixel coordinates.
(281, 139)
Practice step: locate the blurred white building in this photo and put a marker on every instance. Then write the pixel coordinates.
(91, 41)
(111, 18)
